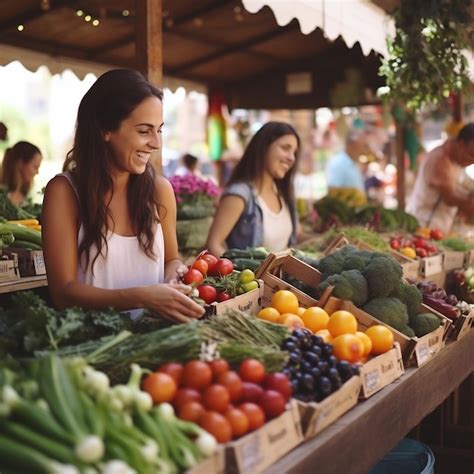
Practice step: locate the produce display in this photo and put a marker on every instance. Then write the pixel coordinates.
(464, 281)
(416, 246)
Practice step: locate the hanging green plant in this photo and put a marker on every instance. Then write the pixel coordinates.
(426, 59)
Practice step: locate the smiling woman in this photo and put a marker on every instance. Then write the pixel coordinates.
(258, 206)
(109, 224)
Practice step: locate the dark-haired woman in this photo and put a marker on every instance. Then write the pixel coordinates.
(257, 208)
(109, 223)
(20, 165)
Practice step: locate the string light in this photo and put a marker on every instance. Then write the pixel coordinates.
(79, 13)
(20, 27)
(87, 18)
(125, 12)
(95, 22)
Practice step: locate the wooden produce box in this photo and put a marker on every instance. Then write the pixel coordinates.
(432, 265)
(415, 350)
(212, 465)
(381, 371)
(249, 303)
(453, 260)
(272, 270)
(9, 268)
(259, 449)
(30, 262)
(315, 417)
(411, 268)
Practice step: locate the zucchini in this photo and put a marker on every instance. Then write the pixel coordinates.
(22, 244)
(259, 253)
(243, 263)
(21, 233)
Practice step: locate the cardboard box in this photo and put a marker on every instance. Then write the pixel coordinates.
(259, 449)
(276, 267)
(249, 303)
(212, 465)
(414, 350)
(462, 326)
(453, 260)
(381, 371)
(9, 269)
(30, 262)
(315, 417)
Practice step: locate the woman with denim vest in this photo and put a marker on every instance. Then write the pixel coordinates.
(257, 208)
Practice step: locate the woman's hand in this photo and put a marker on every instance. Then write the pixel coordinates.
(170, 300)
(176, 274)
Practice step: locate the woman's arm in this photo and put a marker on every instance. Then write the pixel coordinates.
(174, 268)
(228, 212)
(60, 225)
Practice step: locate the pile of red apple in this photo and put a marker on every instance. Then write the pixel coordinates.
(421, 246)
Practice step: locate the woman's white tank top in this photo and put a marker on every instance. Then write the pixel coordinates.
(125, 264)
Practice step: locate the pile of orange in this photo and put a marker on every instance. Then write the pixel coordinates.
(339, 329)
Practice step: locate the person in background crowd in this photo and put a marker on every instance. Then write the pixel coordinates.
(112, 218)
(19, 167)
(190, 166)
(257, 208)
(342, 170)
(437, 196)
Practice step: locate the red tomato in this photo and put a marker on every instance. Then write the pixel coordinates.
(223, 296)
(201, 265)
(436, 234)
(238, 421)
(191, 411)
(421, 252)
(419, 242)
(233, 383)
(193, 276)
(185, 395)
(211, 261)
(174, 369)
(197, 375)
(161, 387)
(216, 397)
(224, 266)
(272, 403)
(251, 392)
(395, 244)
(252, 370)
(279, 382)
(218, 367)
(208, 293)
(254, 414)
(217, 425)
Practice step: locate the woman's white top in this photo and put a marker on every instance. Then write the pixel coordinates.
(277, 226)
(125, 264)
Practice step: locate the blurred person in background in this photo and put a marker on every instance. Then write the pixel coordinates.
(437, 195)
(3, 132)
(190, 165)
(257, 208)
(342, 170)
(20, 166)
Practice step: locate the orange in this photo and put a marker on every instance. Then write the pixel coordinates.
(366, 341)
(300, 311)
(285, 302)
(291, 320)
(342, 322)
(348, 347)
(324, 334)
(315, 318)
(269, 314)
(381, 337)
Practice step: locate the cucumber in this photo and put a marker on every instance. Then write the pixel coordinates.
(21, 233)
(243, 263)
(23, 244)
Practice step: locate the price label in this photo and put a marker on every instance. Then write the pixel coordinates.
(422, 353)
(38, 262)
(372, 380)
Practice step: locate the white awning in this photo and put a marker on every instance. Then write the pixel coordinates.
(32, 60)
(354, 20)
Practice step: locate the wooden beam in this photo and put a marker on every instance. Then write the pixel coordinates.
(240, 47)
(149, 40)
(400, 154)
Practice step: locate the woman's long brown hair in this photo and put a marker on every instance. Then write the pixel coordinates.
(109, 101)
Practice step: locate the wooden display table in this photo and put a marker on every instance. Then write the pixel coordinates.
(355, 442)
(27, 283)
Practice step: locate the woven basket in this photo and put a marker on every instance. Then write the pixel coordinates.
(192, 233)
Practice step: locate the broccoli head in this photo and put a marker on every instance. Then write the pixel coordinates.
(354, 262)
(342, 287)
(331, 265)
(424, 323)
(383, 275)
(411, 296)
(358, 284)
(408, 331)
(391, 311)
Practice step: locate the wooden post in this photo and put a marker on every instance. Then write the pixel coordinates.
(149, 49)
(400, 154)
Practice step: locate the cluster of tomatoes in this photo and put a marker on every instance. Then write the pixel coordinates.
(216, 280)
(414, 246)
(226, 403)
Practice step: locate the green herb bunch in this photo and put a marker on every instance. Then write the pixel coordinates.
(426, 60)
